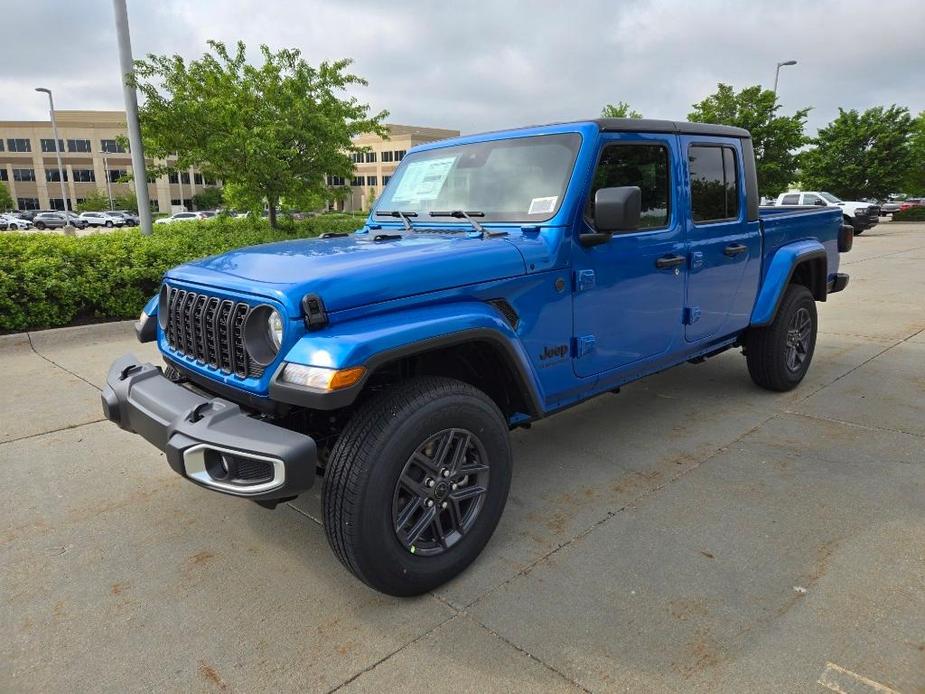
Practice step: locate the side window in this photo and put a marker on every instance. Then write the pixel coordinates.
(811, 199)
(792, 199)
(714, 183)
(645, 166)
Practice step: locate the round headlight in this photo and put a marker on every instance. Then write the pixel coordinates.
(263, 334)
(275, 326)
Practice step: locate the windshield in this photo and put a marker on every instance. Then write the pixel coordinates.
(829, 197)
(514, 180)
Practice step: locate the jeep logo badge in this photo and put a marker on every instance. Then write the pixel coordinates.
(554, 352)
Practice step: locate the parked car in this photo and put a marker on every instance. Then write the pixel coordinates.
(859, 215)
(888, 207)
(4, 225)
(16, 223)
(181, 217)
(396, 360)
(56, 220)
(909, 203)
(102, 219)
(131, 219)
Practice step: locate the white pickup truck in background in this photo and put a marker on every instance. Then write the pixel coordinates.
(860, 215)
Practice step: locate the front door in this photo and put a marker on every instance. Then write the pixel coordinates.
(725, 249)
(629, 291)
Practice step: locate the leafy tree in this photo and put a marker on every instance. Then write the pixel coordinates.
(861, 155)
(6, 200)
(270, 131)
(208, 199)
(96, 201)
(621, 109)
(914, 183)
(128, 201)
(775, 137)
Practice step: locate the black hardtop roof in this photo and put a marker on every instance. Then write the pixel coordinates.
(650, 125)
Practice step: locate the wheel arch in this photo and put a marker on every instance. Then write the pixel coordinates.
(804, 262)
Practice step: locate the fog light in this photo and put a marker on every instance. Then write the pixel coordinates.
(320, 378)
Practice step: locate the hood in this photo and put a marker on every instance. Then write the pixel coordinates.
(356, 270)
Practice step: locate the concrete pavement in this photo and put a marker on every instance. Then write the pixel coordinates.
(692, 533)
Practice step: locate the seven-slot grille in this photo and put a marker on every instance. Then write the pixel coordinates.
(210, 330)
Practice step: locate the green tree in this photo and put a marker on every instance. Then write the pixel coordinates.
(128, 201)
(621, 109)
(776, 138)
(861, 155)
(96, 201)
(914, 183)
(208, 199)
(6, 200)
(270, 131)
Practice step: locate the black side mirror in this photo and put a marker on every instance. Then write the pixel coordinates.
(820, 203)
(615, 209)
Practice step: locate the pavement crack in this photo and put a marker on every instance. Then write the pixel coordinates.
(54, 363)
(52, 431)
(304, 513)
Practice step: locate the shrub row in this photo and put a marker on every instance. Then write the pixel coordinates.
(913, 214)
(50, 280)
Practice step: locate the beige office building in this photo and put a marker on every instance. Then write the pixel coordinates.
(92, 160)
(376, 166)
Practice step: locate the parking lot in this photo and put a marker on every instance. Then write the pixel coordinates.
(693, 533)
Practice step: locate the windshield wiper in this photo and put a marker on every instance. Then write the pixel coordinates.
(459, 214)
(399, 214)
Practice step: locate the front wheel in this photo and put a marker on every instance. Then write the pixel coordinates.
(779, 354)
(40, 225)
(108, 224)
(416, 484)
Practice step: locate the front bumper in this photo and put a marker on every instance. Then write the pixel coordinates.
(210, 441)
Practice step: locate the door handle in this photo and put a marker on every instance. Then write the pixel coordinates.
(734, 249)
(667, 261)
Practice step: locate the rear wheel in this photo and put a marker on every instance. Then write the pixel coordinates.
(779, 354)
(109, 223)
(416, 484)
(40, 225)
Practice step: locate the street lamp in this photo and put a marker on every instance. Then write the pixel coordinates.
(777, 72)
(108, 177)
(54, 130)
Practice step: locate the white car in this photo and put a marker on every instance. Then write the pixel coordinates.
(860, 215)
(102, 219)
(181, 217)
(15, 223)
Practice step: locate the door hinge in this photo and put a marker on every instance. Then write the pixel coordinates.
(692, 314)
(584, 345)
(584, 280)
(696, 261)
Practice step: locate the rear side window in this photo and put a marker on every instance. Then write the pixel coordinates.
(645, 166)
(811, 199)
(793, 199)
(714, 183)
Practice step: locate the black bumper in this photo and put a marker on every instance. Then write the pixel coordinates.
(210, 441)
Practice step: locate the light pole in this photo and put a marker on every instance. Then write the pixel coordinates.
(131, 117)
(54, 130)
(108, 177)
(777, 72)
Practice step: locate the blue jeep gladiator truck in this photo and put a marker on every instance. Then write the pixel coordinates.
(500, 278)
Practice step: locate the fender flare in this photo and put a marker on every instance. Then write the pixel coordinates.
(780, 270)
(376, 340)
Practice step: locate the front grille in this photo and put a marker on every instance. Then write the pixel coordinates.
(210, 330)
(253, 471)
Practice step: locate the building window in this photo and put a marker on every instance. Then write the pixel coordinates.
(399, 154)
(184, 176)
(385, 180)
(387, 156)
(173, 178)
(714, 183)
(175, 202)
(370, 157)
(116, 174)
(52, 175)
(78, 145)
(80, 201)
(19, 144)
(24, 175)
(197, 179)
(1, 146)
(209, 180)
(84, 176)
(336, 181)
(357, 181)
(4, 176)
(27, 203)
(371, 181)
(645, 166)
(112, 146)
(48, 144)
(58, 204)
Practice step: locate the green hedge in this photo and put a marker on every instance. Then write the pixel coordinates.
(50, 280)
(913, 214)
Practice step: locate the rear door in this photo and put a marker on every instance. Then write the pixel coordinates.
(725, 249)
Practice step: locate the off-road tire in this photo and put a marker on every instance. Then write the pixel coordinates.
(766, 348)
(364, 467)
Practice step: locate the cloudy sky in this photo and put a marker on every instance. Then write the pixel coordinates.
(486, 64)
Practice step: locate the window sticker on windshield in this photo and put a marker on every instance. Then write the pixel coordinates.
(423, 180)
(543, 205)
